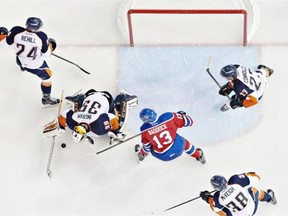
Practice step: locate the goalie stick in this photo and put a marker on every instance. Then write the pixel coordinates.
(225, 106)
(48, 169)
(71, 63)
(119, 143)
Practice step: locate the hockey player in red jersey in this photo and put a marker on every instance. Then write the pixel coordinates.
(31, 47)
(159, 136)
(237, 196)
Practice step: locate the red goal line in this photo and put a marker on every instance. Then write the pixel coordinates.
(196, 11)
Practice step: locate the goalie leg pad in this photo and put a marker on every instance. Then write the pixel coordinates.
(132, 101)
(51, 126)
(123, 102)
(53, 129)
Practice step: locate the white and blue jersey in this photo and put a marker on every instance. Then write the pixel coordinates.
(94, 112)
(31, 48)
(240, 198)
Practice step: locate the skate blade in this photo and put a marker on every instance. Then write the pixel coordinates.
(224, 108)
(50, 106)
(203, 161)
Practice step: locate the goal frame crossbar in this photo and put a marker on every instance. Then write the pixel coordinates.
(185, 11)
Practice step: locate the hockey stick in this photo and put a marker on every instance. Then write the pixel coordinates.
(186, 202)
(208, 71)
(120, 142)
(70, 63)
(225, 107)
(48, 169)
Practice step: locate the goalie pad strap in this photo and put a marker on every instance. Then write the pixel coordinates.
(53, 125)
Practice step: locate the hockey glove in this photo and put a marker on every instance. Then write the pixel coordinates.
(181, 112)
(235, 102)
(52, 42)
(205, 195)
(225, 90)
(3, 31)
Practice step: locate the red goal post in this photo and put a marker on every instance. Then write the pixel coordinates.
(184, 11)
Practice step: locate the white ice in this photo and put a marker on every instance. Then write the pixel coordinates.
(92, 34)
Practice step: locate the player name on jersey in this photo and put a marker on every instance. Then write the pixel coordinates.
(244, 73)
(28, 39)
(227, 193)
(84, 116)
(157, 129)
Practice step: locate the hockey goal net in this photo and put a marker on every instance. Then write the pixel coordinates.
(187, 26)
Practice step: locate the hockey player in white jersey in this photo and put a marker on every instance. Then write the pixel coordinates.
(31, 47)
(94, 114)
(238, 196)
(248, 86)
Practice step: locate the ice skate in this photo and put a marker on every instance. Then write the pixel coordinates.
(201, 158)
(269, 71)
(116, 138)
(139, 157)
(49, 101)
(224, 108)
(273, 200)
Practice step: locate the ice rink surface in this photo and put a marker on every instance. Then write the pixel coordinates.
(166, 77)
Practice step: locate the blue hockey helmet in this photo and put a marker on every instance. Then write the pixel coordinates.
(148, 115)
(33, 24)
(218, 182)
(229, 71)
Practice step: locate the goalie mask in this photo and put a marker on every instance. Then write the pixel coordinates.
(79, 133)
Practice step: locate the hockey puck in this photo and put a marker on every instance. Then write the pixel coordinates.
(63, 145)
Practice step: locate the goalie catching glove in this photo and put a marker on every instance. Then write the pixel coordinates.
(53, 129)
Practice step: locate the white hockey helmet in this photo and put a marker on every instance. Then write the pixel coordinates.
(79, 133)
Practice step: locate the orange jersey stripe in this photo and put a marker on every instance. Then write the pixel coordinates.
(250, 101)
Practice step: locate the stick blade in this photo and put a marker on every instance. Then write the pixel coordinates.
(50, 174)
(210, 60)
(84, 71)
